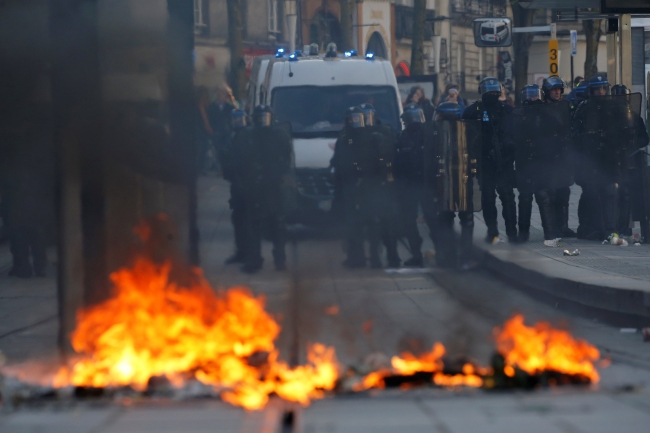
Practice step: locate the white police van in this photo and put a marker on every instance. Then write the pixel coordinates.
(312, 92)
(494, 31)
(258, 73)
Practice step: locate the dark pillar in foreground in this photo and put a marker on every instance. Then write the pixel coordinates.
(123, 94)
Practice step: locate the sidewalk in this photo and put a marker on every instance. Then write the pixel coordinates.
(609, 277)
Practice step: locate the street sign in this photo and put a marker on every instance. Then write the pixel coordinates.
(553, 57)
(574, 42)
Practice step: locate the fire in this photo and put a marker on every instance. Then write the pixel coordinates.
(427, 362)
(534, 350)
(154, 327)
(542, 348)
(430, 362)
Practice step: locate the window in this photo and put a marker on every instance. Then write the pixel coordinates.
(317, 111)
(198, 12)
(273, 16)
(200, 26)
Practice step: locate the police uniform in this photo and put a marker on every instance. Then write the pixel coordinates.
(410, 176)
(497, 162)
(237, 199)
(263, 159)
(362, 165)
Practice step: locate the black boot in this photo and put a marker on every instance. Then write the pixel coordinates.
(467, 241)
(525, 211)
(565, 231)
(524, 237)
(492, 234)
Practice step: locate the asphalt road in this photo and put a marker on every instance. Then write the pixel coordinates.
(379, 315)
(382, 313)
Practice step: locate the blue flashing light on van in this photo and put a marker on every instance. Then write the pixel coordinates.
(279, 53)
(370, 56)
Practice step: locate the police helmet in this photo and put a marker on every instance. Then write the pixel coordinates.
(530, 93)
(413, 114)
(581, 90)
(238, 119)
(598, 82)
(369, 114)
(489, 84)
(449, 111)
(262, 116)
(552, 82)
(354, 117)
(620, 89)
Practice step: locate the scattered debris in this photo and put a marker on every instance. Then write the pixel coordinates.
(408, 270)
(575, 252)
(614, 239)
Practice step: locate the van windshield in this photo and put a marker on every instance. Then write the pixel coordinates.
(317, 111)
(487, 30)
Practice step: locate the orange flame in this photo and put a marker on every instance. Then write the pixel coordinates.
(542, 347)
(152, 327)
(427, 362)
(430, 362)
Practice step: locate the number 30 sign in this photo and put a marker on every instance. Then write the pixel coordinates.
(553, 57)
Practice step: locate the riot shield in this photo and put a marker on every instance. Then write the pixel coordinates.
(542, 134)
(458, 150)
(607, 135)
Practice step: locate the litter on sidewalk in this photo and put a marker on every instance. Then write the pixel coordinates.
(575, 252)
(614, 239)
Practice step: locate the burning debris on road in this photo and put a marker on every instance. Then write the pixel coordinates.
(166, 332)
(153, 327)
(525, 357)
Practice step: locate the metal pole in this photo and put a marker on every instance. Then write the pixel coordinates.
(626, 50)
(611, 57)
(572, 72)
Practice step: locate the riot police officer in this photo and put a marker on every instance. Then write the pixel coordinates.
(497, 162)
(384, 194)
(542, 132)
(631, 184)
(531, 94)
(553, 89)
(263, 159)
(589, 212)
(237, 202)
(410, 175)
(605, 133)
(456, 159)
(361, 164)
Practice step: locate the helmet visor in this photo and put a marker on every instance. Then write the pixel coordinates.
(490, 86)
(554, 83)
(263, 119)
(238, 120)
(599, 89)
(355, 120)
(369, 117)
(531, 94)
(413, 116)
